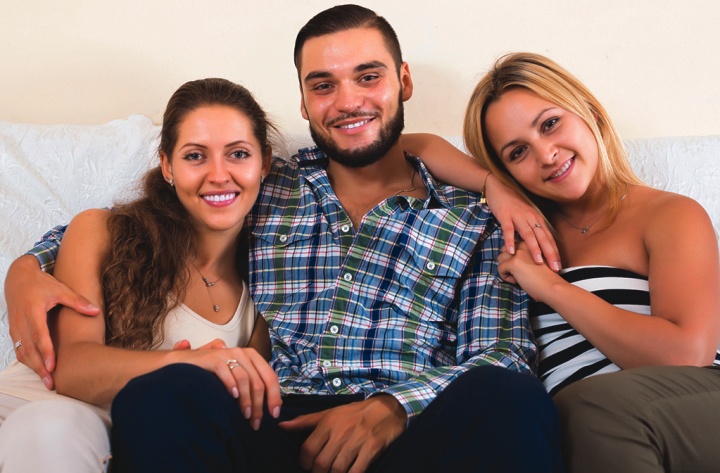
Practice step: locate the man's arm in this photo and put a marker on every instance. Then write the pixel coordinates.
(30, 293)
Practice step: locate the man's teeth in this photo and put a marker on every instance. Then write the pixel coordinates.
(219, 197)
(354, 125)
(560, 171)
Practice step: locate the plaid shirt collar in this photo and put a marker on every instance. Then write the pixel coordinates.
(313, 162)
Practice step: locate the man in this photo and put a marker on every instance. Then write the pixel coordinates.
(396, 344)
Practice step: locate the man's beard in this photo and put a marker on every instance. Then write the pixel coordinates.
(361, 157)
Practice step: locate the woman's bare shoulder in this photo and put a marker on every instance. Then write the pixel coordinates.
(663, 212)
(89, 225)
(660, 202)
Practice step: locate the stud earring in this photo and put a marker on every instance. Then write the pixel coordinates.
(262, 178)
(170, 181)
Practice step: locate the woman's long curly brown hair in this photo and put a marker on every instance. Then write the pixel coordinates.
(145, 272)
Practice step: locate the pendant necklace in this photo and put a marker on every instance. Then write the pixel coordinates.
(412, 183)
(586, 228)
(208, 285)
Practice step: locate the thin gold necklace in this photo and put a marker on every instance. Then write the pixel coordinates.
(586, 229)
(208, 285)
(412, 182)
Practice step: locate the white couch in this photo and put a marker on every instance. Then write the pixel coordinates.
(50, 173)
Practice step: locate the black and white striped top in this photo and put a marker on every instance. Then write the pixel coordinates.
(565, 355)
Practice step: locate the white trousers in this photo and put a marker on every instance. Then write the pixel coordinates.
(52, 435)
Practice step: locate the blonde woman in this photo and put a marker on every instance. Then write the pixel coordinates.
(640, 288)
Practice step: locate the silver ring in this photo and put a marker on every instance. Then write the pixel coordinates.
(18, 344)
(537, 225)
(230, 362)
(233, 366)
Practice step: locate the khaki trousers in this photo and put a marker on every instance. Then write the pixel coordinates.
(653, 419)
(52, 435)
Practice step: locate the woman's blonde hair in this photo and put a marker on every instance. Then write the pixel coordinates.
(547, 79)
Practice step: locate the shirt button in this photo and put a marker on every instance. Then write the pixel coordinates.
(345, 228)
(334, 329)
(336, 382)
(283, 238)
(327, 363)
(430, 266)
(347, 277)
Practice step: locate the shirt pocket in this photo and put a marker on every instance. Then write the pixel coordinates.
(291, 263)
(434, 257)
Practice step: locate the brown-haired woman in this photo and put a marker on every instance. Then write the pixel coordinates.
(163, 270)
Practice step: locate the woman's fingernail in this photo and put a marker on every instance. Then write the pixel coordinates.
(47, 382)
(276, 412)
(556, 266)
(247, 412)
(538, 258)
(235, 393)
(511, 249)
(256, 424)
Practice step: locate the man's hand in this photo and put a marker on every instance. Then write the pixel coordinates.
(349, 438)
(30, 294)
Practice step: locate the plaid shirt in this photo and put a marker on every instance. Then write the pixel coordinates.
(402, 305)
(46, 249)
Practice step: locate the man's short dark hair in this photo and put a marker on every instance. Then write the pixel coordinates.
(346, 17)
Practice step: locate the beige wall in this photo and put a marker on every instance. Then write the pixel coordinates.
(655, 64)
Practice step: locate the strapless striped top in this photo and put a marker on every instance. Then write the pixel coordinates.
(565, 355)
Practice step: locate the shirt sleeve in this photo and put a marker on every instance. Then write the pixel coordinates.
(493, 329)
(46, 249)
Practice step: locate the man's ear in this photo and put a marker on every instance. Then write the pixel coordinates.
(406, 81)
(266, 162)
(303, 109)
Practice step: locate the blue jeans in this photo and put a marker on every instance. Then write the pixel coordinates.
(182, 419)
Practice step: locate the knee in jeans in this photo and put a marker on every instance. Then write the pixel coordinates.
(170, 380)
(503, 387)
(166, 390)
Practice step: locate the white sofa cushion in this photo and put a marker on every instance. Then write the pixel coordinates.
(48, 173)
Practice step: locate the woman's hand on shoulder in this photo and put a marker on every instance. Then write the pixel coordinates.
(245, 373)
